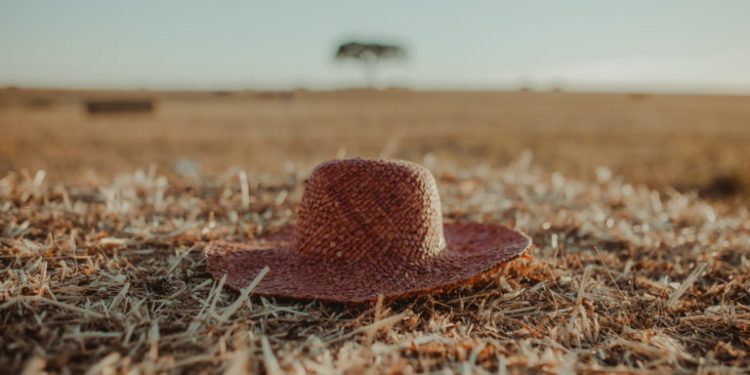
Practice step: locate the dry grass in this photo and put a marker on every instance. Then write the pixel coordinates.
(689, 142)
(108, 276)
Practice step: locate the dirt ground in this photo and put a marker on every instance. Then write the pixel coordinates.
(104, 220)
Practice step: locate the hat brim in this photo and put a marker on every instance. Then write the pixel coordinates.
(473, 251)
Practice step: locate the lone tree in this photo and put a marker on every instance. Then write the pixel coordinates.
(369, 55)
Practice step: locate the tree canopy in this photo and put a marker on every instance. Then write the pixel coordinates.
(369, 54)
(369, 51)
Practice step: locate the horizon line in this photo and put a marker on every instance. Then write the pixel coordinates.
(675, 89)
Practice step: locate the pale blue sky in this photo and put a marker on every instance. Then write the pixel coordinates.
(598, 44)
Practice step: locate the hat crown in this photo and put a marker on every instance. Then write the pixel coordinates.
(359, 209)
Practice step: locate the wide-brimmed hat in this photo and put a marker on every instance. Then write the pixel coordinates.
(364, 228)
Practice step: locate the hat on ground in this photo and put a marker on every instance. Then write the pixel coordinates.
(364, 228)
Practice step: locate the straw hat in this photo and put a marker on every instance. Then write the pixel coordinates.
(367, 227)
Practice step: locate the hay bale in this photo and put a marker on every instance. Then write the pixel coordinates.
(39, 102)
(113, 106)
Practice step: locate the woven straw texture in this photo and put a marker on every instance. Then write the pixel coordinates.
(367, 227)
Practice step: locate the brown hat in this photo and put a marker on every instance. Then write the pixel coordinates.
(367, 227)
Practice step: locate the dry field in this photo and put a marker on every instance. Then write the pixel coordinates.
(688, 142)
(102, 271)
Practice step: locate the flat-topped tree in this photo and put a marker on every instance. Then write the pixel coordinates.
(369, 55)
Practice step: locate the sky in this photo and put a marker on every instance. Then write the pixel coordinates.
(599, 45)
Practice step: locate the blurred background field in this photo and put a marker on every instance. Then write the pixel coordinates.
(688, 142)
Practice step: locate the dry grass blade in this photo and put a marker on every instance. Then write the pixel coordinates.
(244, 294)
(13, 300)
(269, 359)
(370, 330)
(245, 191)
(686, 284)
(104, 365)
